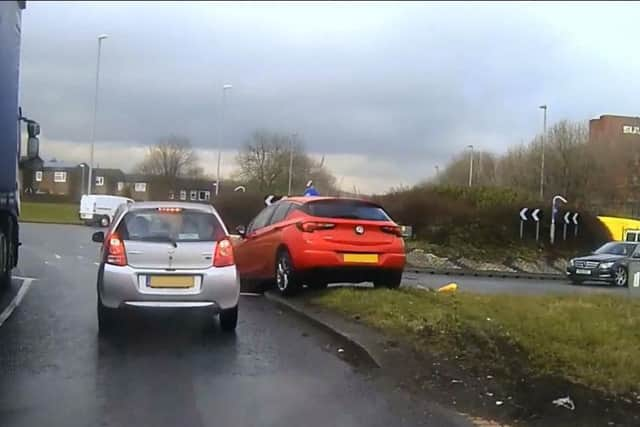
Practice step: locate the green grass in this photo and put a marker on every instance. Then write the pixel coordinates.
(57, 213)
(589, 340)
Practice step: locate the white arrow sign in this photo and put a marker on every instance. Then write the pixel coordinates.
(534, 215)
(566, 218)
(575, 218)
(267, 200)
(523, 214)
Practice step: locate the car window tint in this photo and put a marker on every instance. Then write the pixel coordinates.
(185, 226)
(262, 219)
(349, 209)
(282, 208)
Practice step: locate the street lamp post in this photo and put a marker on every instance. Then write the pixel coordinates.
(82, 181)
(95, 111)
(224, 98)
(470, 164)
(544, 136)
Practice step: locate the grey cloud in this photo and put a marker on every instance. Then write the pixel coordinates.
(408, 83)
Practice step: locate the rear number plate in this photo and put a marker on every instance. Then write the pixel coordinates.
(171, 281)
(361, 258)
(580, 271)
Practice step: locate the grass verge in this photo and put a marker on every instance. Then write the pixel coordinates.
(591, 341)
(55, 213)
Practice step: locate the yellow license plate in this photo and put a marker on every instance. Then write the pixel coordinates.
(171, 282)
(363, 258)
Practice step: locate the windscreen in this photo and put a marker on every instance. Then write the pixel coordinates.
(183, 226)
(625, 249)
(347, 209)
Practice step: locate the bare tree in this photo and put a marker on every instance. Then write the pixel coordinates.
(264, 164)
(171, 157)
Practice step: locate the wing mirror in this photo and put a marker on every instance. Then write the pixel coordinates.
(241, 230)
(98, 237)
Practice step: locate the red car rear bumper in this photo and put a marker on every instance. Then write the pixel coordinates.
(310, 259)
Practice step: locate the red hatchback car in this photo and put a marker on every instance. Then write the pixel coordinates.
(320, 240)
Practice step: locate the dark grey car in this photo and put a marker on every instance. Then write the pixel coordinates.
(609, 263)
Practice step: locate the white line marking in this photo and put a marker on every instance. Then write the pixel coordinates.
(46, 263)
(96, 263)
(24, 277)
(80, 257)
(57, 256)
(250, 294)
(16, 300)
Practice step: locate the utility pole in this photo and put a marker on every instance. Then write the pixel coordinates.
(544, 137)
(470, 165)
(225, 88)
(95, 112)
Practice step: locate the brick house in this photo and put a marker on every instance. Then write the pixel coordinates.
(56, 178)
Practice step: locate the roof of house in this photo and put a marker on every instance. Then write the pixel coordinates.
(59, 164)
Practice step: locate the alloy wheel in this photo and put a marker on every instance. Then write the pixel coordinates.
(283, 272)
(621, 276)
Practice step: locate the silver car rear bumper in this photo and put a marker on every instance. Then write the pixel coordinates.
(218, 288)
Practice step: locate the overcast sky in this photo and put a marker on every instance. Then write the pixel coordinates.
(385, 91)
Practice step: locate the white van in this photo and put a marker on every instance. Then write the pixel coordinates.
(99, 209)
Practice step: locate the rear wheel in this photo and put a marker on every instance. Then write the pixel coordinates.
(286, 277)
(620, 276)
(105, 221)
(106, 317)
(229, 319)
(390, 279)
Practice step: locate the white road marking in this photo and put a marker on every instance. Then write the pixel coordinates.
(96, 263)
(250, 294)
(80, 257)
(57, 256)
(46, 262)
(16, 300)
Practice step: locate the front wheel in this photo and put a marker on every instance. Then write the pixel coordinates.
(620, 277)
(286, 277)
(390, 280)
(229, 319)
(5, 261)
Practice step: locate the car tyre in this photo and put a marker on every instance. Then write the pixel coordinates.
(106, 318)
(229, 319)
(620, 276)
(287, 280)
(390, 280)
(104, 221)
(5, 262)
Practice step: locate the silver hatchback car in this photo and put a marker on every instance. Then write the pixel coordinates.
(167, 254)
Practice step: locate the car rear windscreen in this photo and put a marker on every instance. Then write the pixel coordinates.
(152, 225)
(347, 209)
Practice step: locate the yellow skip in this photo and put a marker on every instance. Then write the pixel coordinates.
(451, 287)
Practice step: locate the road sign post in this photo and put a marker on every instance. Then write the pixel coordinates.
(566, 222)
(523, 218)
(536, 218)
(575, 224)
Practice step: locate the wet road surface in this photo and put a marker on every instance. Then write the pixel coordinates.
(171, 369)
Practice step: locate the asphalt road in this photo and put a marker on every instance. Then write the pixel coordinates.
(510, 285)
(171, 369)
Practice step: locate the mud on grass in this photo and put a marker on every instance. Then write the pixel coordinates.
(508, 357)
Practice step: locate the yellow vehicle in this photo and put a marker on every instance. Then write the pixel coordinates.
(624, 229)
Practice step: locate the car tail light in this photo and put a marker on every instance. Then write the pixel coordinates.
(223, 257)
(114, 248)
(170, 210)
(392, 229)
(310, 227)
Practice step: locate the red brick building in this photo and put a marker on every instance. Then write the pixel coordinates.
(609, 129)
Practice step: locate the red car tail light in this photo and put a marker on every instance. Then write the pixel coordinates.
(310, 227)
(114, 248)
(392, 229)
(223, 256)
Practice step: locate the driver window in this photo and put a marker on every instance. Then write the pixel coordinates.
(262, 219)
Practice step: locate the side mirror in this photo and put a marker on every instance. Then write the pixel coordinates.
(98, 237)
(241, 230)
(33, 147)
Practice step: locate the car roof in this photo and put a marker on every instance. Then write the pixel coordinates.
(303, 199)
(184, 205)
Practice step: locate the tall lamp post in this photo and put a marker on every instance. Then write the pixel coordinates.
(295, 135)
(95, 111)
(225, 88)
(544, 137)
(470, 164)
